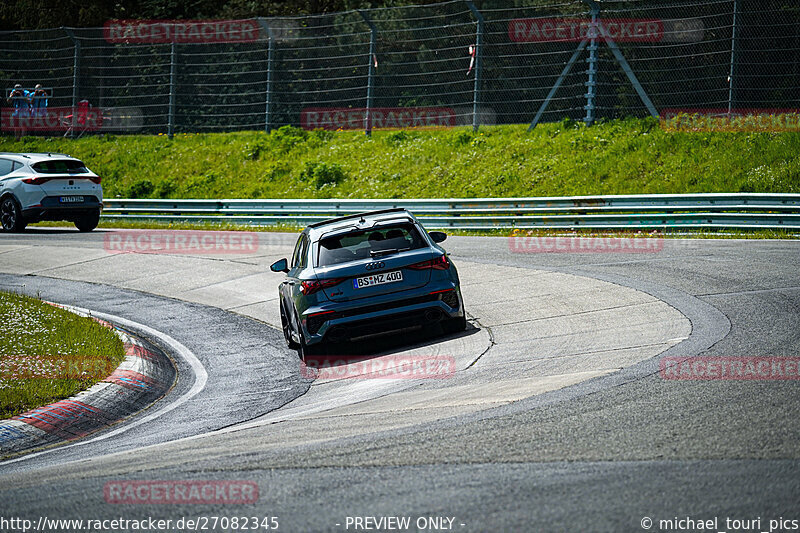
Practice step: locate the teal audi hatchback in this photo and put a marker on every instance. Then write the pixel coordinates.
(366, 275)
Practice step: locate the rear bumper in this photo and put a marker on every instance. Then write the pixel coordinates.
(51, 208)
(386, 324)
(354, 322)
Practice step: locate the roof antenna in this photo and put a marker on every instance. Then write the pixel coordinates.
(362, 220)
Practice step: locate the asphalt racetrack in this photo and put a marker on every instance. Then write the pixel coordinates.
(557, 417)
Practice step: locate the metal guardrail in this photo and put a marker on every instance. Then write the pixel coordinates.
(658, 211)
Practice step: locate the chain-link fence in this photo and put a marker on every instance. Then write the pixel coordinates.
(440, 65)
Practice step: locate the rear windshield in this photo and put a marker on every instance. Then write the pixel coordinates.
(356, 245)
(60, 166)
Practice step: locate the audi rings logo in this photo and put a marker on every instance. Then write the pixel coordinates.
(375, 266)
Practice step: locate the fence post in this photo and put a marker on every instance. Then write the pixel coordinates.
(76, 66)
(270, 57)
(602, 33)
(173, 66)
(373, 38)
(591, 83)
(732, 76)
(478, 65)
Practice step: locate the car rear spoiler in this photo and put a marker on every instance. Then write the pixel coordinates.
(357, 215)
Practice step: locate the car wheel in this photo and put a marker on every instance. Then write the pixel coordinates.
(287, 331)
(306, 351)
(11, 215)
(454, 325)
(88, 221)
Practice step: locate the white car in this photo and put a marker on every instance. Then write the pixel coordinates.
(36, 187)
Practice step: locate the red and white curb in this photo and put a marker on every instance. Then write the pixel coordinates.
(143, 377)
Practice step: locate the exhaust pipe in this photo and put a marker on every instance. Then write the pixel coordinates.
(433, 315)
(338, 335)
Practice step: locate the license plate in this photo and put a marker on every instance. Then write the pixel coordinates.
(378, 279)
(71, 199)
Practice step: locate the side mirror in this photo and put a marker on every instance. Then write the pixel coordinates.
(280, 266)
(438, 236)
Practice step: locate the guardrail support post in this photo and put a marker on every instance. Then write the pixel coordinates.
(478, 65)
(270, 58)
(173, 74)
(373, 41)
(76, 67)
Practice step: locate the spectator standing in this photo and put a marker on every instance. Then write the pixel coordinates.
(39, 101)
(21, 100)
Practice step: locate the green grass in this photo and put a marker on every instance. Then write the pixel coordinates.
(632, 156)
(47, 353)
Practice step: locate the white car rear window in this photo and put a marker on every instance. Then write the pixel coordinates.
(60, 166)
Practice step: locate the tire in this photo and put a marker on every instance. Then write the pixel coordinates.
(287, 331)
(454, 325)
(304, 351)
(11, 215)
(88, 221)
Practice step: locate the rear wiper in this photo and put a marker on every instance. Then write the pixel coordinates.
(388, 251)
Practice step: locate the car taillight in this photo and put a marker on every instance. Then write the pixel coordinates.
(35, 181)
(439, 263)
(316, 285)
(315, 321)
(96, 179)
(448, 296)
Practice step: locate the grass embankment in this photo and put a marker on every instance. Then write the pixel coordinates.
(630, 156)
(47, 353)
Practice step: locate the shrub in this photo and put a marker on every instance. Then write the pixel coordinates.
(321, 174)
(166, 188)
(140, 189)
(253, 151)
(398, 137)
(461, 138)
(289, 136)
